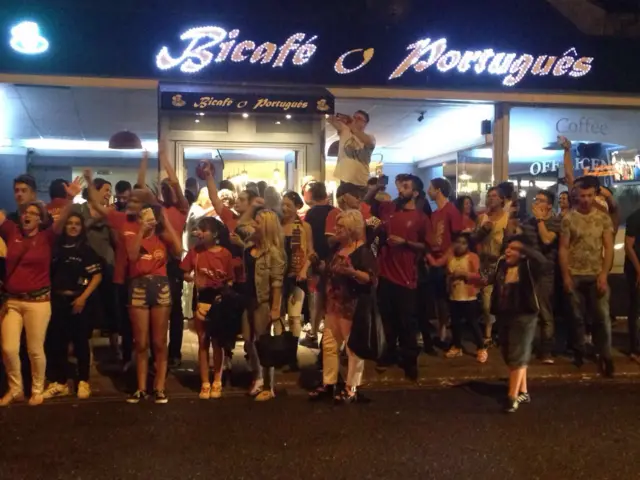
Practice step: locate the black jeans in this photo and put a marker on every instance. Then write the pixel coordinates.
(632, 315)
(176, 319)
(125, 323)
(396, 304)
(66, 327)
(545, 287)
(107, 298)
(468, 312)
(585, 298)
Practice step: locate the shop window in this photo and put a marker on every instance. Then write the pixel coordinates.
(605, 142)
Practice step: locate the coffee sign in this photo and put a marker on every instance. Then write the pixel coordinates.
(242, 103)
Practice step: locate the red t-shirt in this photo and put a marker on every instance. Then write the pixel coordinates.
(123, 225)
(229, 219)
(153, 256)
(213, 269)
(56, 206)
(400, 264)
(330, 224)
(445, 222)
(28, 259)
(177, 219)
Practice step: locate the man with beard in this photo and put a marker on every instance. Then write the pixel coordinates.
(586, 257)
(403, 235)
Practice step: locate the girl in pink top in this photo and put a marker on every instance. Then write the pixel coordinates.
(463, 276)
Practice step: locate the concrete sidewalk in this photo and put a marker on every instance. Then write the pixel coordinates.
(108, 380)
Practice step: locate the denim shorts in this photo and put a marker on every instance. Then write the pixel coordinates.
(149, 291)
(516, 338)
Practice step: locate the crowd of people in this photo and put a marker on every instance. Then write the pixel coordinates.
(255, 263)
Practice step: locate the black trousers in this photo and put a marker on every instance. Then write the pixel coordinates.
(125, 322)
(396, 304)
(176, 319)
(65, 327)
(469, 313)
(106, 302)
(632, 315)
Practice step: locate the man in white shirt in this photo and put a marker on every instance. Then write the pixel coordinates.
(356, 147)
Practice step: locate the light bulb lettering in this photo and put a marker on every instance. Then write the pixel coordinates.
(209, 43)
(367, 55)
(27, 39)
(513, 66)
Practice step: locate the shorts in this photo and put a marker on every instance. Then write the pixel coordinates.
(205, 299)
(149, 291)
(516, 338)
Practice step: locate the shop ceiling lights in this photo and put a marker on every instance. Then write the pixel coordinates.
(77, 145)
(26, 39)
(245, 115)
(210, 43)
(426, 53)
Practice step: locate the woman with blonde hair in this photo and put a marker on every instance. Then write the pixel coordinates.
(265, 263)
(351, 274)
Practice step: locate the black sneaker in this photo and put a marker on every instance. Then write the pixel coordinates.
(160, 397)
(524, 397)
(511, 405)
(137, 396)
(411, 372)
(606, 367)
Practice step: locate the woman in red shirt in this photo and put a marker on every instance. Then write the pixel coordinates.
(148, 251)
(465, 206)
(212, 265)
(27, 293)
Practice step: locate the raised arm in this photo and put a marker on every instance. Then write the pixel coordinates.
(183, 204)
(142, 170)
(93, 196)
(566, 161)
(170, 236)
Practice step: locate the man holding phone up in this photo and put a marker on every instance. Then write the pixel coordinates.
(356, 147)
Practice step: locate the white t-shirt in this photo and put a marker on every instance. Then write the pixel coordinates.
(353, 159)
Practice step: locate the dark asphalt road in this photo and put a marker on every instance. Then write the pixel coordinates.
(567, 432)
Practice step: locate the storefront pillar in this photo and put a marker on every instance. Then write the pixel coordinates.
(501, 142)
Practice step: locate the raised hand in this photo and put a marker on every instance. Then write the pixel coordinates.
(74, 188)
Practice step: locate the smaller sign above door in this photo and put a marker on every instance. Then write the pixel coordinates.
(240, 103)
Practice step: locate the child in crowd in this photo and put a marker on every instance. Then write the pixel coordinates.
(463, 275)
(212, 264)
(515, 305)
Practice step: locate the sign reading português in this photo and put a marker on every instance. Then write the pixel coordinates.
(211, 44)
(228, 102)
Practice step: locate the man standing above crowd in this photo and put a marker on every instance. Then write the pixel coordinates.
(587, 232)
(403, 235)
(445, 221)
(355, 148)
(543, 229)
(24, 191)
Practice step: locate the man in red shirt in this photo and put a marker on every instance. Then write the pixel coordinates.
(445, 221)
(403, 235)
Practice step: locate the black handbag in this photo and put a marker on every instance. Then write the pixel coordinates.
(367, 339)
(277, 350)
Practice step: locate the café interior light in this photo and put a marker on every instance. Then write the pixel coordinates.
(245, 115)
(464, 176)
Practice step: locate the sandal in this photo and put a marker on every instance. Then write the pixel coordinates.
(323, 392)
(257, 387)
(265, 395)
(205, 391)
(453, 352)
(483, 355)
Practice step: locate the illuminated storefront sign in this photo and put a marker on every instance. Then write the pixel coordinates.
(207, 44)
(242, 102)
(26, 39)
(212, 44)
(512, 66)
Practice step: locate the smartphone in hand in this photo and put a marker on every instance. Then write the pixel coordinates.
(383, 180)
(344, 118)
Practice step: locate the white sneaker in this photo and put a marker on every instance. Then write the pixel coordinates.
(36, 399)
(56, 390)
(84, 390)
(11, 397)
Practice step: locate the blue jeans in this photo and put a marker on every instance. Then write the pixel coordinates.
(585, 297)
